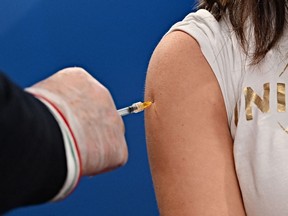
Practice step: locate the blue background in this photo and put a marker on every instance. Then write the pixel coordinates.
(113, 40)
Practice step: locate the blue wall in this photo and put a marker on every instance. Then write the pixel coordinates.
(113, 40)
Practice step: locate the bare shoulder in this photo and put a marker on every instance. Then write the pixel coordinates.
(179, 73)
(189, 144)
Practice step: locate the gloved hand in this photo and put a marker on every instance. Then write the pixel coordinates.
(90, 111)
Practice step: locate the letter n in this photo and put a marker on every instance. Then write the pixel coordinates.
(252, 97)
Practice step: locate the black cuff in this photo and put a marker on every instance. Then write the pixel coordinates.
(32, 155)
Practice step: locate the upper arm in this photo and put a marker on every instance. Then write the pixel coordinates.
(189, 143)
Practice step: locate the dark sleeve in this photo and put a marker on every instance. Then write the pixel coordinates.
(32, 155)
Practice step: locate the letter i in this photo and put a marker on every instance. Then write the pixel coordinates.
(281, 100)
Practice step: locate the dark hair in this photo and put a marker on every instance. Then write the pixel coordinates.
(268, 18)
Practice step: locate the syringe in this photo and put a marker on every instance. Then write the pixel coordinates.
(134, 108)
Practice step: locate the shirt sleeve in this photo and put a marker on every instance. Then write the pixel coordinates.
(33, 163)
(217, 44)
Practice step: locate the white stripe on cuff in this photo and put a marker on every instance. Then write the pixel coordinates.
(73, 162)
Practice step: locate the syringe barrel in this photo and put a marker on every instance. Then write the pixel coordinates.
(124, 111)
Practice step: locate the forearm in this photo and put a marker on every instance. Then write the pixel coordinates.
(66, 108)
(32, 157)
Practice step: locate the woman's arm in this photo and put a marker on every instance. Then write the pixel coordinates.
(189, 143)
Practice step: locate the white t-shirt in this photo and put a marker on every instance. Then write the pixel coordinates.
(255, 99)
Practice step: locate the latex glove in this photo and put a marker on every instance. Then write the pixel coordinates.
(90, 111)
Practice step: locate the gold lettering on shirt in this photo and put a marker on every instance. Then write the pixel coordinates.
(252, 97)
(281, 102)
(283, 128)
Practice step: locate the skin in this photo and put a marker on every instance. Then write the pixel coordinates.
(92, 115)
(189, 144)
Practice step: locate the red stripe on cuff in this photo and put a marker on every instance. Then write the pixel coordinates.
(70, 130)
